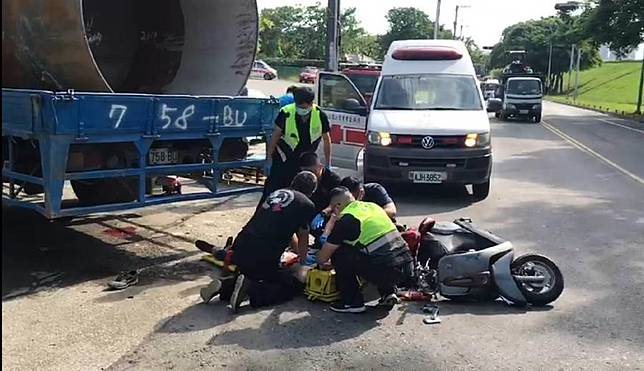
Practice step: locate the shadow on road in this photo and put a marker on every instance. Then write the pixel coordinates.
(434, 198)
(322, 328)
(38, 254)
(159, 276)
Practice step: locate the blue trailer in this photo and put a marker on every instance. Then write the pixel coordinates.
(110, 146)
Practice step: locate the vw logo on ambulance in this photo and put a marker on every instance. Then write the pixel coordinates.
(427, 142)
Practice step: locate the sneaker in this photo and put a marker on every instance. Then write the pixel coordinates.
(343, 308)
(210, 291)
(389, 300)
(240, 292)
(204, 246)
(124, 280)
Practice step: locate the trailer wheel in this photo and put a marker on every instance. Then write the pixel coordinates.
(105, 191)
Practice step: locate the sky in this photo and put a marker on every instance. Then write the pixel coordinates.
(484, 20)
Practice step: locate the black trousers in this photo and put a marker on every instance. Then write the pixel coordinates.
(269, 284)
(281, 176)
(350, 263)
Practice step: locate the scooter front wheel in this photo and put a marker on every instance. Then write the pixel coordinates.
(538, 278)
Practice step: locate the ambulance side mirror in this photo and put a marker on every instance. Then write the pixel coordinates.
(354, 106)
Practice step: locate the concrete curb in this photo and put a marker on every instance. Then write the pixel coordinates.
(633, 117)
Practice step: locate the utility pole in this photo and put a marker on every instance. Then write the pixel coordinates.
(332, 35)
(577, 74)
(549, 68)
(438, 14)
(456, 19)
(639, 97)
(572, 61)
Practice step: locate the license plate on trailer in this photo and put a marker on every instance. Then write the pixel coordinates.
(163, 156)
(433, 177)
(524, 111)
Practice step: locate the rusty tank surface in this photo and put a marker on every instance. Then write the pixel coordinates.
(200, 47)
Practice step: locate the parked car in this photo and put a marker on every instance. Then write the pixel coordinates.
(262, 70)
(309, 75)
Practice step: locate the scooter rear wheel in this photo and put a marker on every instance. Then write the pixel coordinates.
(532, 265)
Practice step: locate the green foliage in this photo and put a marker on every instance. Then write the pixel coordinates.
(299, 32)
(613, 86)
(478, 57)
(496, 73)
(535, 36)
(409, 24)
(618, 23)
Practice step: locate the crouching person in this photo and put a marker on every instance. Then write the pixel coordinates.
(361, 240)
(258, 247)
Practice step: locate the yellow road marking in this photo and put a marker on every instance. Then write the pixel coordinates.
(589, 151)
(622, 126)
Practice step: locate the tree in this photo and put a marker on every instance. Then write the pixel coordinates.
(298, 32)
(280, 22)
(478, 57)
(617, 23)
(409, 24)
(536, 36)
(620, 24)
(354, 39)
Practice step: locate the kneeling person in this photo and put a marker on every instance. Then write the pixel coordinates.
(371, 192)
(361, 240)
(258, 247)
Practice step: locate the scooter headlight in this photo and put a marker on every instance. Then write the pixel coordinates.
(379, 138)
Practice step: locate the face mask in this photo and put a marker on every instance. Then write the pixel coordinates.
(303, 111)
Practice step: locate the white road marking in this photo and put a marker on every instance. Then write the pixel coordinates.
(584, 148)
(622, 126)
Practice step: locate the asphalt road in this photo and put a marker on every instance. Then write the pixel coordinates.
(570, 188)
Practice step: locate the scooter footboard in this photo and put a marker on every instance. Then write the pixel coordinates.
(455, 271)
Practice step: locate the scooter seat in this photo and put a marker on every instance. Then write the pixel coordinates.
(445, 239)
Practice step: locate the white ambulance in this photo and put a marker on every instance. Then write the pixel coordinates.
(427, 121)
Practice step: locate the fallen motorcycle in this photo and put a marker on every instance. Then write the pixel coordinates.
(461, 261)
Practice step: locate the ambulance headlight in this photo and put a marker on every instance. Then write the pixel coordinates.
(477, 140)
(379, 138)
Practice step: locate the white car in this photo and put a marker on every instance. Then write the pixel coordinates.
(261, 70)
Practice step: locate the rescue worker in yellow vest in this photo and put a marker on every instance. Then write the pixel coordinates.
(362, 241)
(299, 128)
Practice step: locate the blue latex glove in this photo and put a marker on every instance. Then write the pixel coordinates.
(318, 222)
(310, 260)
